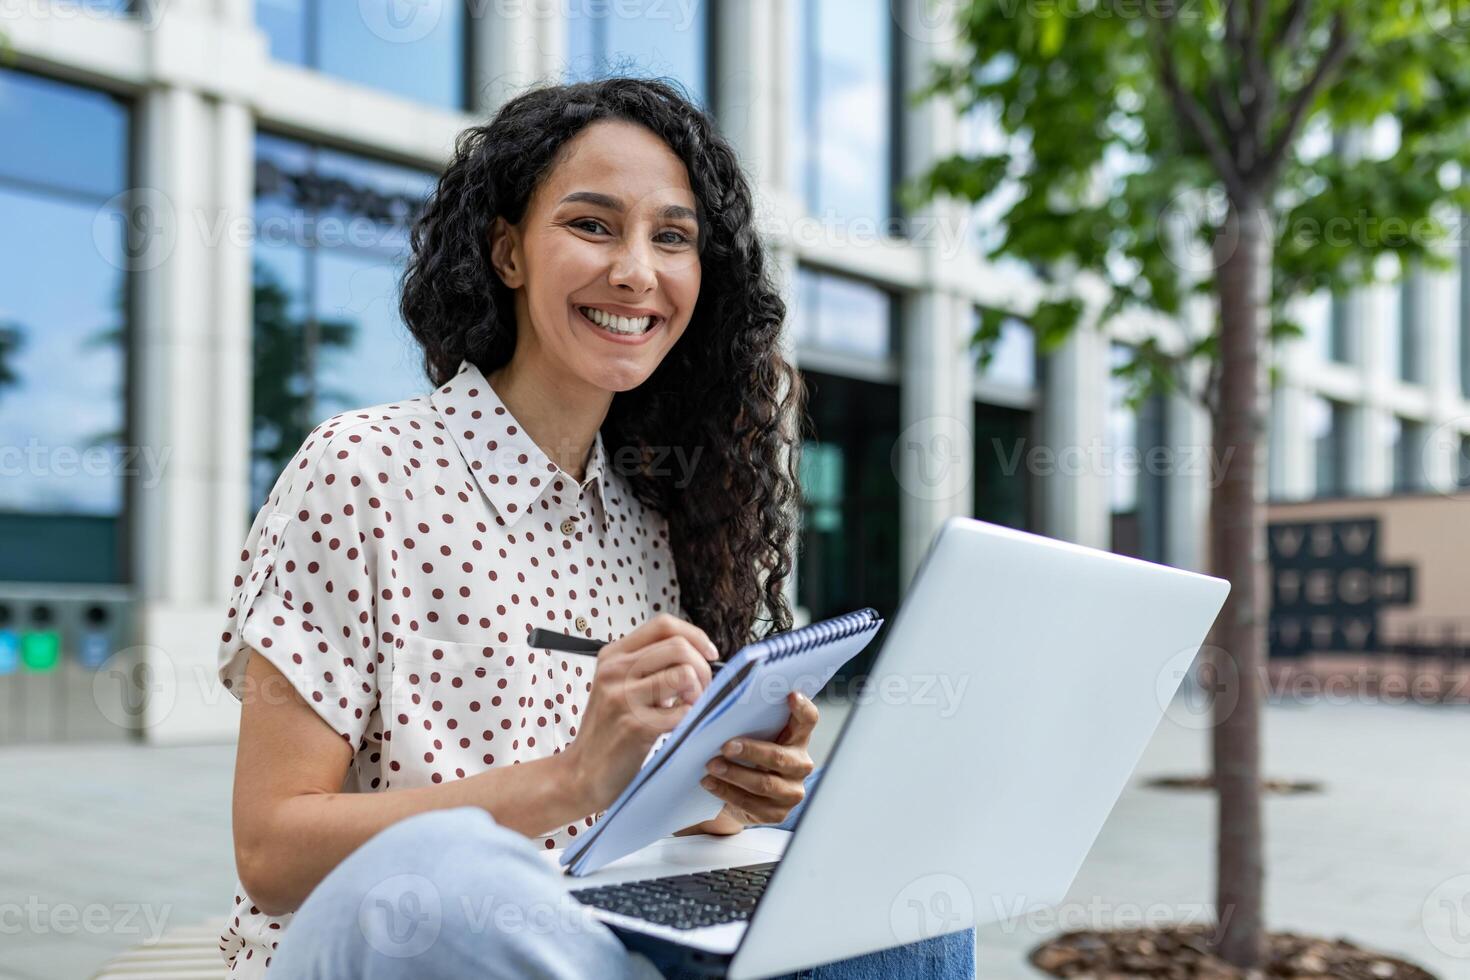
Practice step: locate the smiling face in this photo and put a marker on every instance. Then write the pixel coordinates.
(608, 241)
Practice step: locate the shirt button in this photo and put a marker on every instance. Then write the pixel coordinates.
(581, 622)
(568, 526)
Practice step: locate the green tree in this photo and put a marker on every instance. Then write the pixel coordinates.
(1116, 116)
(284, 386)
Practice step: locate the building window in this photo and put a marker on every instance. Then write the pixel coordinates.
(63, 332)
(1342, 346)
(1328, 421)
(1138, 466)
(843, 150)
(327, 337)
(1002, 476)
(850, 502)
(843, 315)
(643, 38)
(1408, 456)
(1462, 463)
(415, 50)
(1314, 314)
(1013, 361)
(1410, 331)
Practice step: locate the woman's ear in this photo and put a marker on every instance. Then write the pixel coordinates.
(505, 253)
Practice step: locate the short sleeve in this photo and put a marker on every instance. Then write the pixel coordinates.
(304, 588)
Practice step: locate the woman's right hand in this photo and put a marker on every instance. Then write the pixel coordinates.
(644, 684)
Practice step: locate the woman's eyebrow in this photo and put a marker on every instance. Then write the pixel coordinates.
(672, 212)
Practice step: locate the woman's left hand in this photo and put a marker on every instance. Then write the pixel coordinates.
(761, 782)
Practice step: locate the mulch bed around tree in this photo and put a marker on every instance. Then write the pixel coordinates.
(1183, 953)
(1285, 787)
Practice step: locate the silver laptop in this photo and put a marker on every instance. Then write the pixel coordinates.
(1019, 685)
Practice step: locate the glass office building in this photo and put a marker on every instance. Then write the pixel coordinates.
(199, 262)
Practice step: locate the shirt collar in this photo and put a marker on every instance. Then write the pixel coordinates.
(511, 470)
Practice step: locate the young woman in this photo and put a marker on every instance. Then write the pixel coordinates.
(609, 450)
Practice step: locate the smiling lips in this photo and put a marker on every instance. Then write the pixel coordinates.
(626, 326)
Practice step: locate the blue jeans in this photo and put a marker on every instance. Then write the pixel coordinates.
(453, 895)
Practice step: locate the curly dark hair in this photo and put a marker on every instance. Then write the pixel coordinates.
(725, 391)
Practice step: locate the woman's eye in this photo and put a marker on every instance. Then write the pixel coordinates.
(582, 222)
(679, 238)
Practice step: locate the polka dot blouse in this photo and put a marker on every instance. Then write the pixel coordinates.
(393, 574)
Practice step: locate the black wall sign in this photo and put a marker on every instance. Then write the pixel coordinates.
(1328, 585)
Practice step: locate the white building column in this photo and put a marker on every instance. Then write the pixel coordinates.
(934, 457)
(191, 212)
(1075, 503)
(506, 51)
(752, 90)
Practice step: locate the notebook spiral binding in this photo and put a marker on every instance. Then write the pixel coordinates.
(815, 634)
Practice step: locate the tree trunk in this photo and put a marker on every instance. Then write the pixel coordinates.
(1238, 553)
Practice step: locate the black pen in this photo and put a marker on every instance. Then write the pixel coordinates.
(571, 643)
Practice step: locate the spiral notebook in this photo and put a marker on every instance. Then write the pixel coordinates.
(747, 698)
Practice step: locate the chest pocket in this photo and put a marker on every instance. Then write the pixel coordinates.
(458, 708)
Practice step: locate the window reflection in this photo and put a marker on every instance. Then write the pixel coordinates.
(836, 313)
(643, 38)
(332, 242)
(416, 50)
(842, 82)
(850, 510)
(63, 324)
(1328, 421)
(1137, 466)
(1002, 477)
(1013, 358)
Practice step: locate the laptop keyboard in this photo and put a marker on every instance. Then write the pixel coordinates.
(688, 901)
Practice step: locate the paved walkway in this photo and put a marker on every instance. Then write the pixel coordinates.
(104, 845)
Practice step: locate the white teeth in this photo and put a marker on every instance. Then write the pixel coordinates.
(617, 324)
